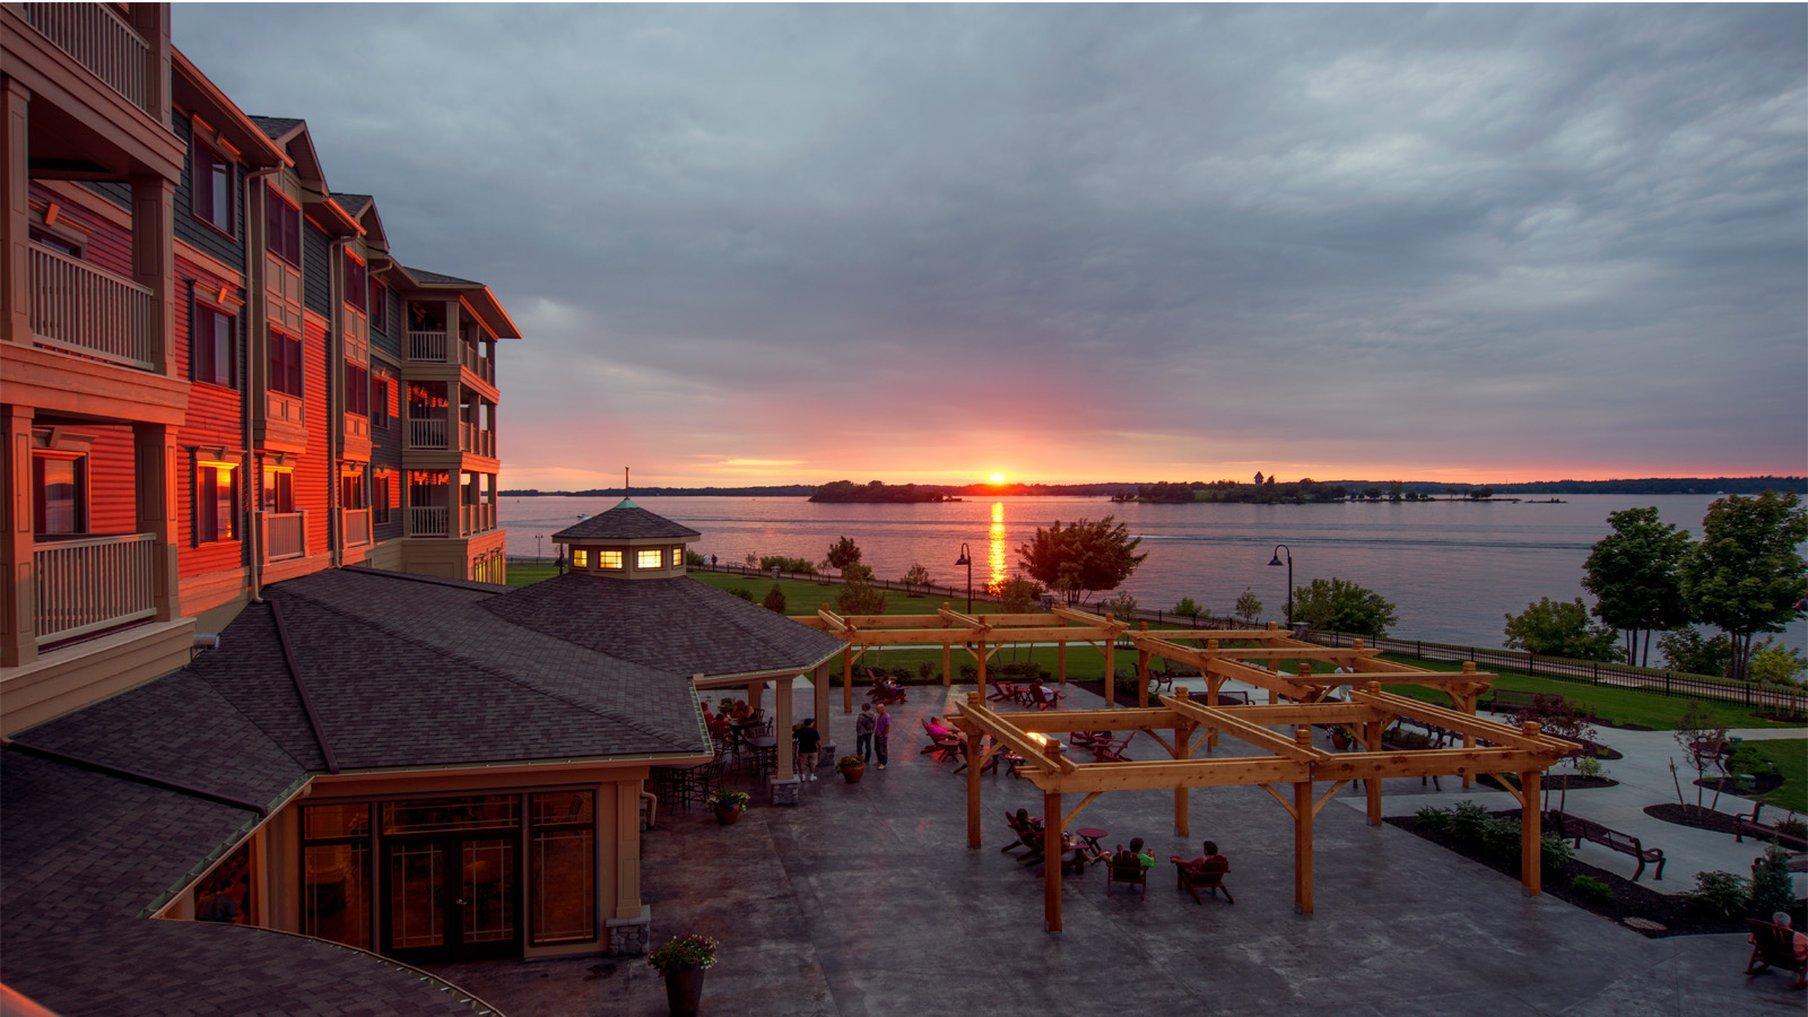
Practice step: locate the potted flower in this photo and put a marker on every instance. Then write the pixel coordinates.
(851, 767)
(682, 961)
(728, 805)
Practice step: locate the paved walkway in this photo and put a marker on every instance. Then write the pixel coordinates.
(865, 901)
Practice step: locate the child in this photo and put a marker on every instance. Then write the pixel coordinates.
(863, 732)
(808, 739)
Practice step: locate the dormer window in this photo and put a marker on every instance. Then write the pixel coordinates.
(650, 558)
(609, 559)
(283, 222)
(677, 557)
(580, 558)
(357, 284)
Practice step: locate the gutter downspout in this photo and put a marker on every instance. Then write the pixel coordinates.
(335, 398)
(254, 353)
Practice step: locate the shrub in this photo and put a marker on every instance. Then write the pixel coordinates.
(847, 761)
(1591, 889)
(742, 592)
(774, 599)
(1720, 893)
(1772, 889)
(785, 563)
(1433, 819)
(915, 577)
(694, 559)
(1188, 608)
(925, 669)
(1017, 595)
(726, 798)
(842, 553)
(681, 952)
(860, 598)
(1794, 826)
(1467, 820)
(1338, 605)
(1120, 605)
(1555, 853)
(1561, 628)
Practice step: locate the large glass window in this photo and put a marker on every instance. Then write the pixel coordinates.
(357, 283)
(357, 389)
(210, 188)
(225, 894)
(210, 347)
(608, 559)
(216, 499)
(279, 490)
(59, 495)
(562, 867)
(285, 364)
(437, 815)
(336, 873)
(283, 223)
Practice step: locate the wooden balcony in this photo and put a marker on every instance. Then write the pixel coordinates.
(479, 518)
(483, 367)
(285, 535)
(427, 432)
(103, 42)
(476, 440)
(429, 521)
(427, 347)
(96, 583)
(78, 307)
(354, 526)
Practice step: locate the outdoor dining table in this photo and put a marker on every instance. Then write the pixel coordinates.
(1091, 835)
(765, 752)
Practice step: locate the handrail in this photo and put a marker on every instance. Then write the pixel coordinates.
(93, 583)
(81, 307)
(429, 347)
(100, 40)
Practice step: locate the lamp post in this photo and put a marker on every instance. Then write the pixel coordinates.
(966, 558)
(1276, 561)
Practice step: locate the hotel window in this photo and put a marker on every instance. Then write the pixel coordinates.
(285, 364)
(216, 501)
(357, 389)
(677, 557)
(59, 495)
(357, 283)
(210, 189)
(55, 241)
(379, 399)
(562, 861)
(279, 489)
(335, 865)
(382, 490)
(651, 558)
(283, 223)
(580, 558)
(379, 306)
(210, 347)
(224, 895)
(352, 490)
(608, 559)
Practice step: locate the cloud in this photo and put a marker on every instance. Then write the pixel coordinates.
(1127, 242)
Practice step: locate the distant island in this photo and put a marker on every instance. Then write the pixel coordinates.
(1263, 491)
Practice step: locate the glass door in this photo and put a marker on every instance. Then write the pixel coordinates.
(452, 898)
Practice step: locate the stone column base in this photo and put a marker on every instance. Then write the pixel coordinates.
(787, 792)
(630, 937)
(825, 756)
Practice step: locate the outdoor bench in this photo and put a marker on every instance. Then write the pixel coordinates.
(1745, 823)
(1578, 829)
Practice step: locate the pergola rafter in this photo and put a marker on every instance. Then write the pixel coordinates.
(1286, 758)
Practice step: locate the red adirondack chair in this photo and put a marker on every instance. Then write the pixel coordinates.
(1111, 751)
(1208, 876)
(1773, 946)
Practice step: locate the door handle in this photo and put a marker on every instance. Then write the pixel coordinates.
(461, 902)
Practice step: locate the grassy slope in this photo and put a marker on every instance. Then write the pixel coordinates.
(1791, 757)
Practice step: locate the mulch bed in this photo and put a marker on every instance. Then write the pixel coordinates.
(1702, 818)
(1760, 784)
(1678, 915)
(1553, 782)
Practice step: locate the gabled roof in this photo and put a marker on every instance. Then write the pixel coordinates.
(626, 521)
(427, 278)
(353, 203)
(197, 93)
(481, 299)
(292, 134)
(677, 624)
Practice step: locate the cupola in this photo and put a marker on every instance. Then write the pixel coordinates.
(626, 542)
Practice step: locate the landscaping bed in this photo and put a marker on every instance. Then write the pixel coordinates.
(1622, 898)
(1752, 786)
(1554, 782)
(1704, 818)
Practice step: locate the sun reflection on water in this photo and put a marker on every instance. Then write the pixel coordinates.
(995, 555)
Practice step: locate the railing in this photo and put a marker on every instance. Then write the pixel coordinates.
(87, 585)
(478, 518)
(483, 367)
(91, 311)
(428, 521)
(427, 432)
(428, 346)
(355, 524)
(102, 41)
(472, 438)
(285, 535)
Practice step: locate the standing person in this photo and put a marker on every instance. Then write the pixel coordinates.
(808, 740)
(882, 735)
(863, 732)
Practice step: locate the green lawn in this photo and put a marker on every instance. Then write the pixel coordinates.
(1791, 758)
(1611, 705)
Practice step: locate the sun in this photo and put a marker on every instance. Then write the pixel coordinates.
(995, 478)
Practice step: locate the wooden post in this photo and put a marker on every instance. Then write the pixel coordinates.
(18, 589)
(1142, 674)
(847, 679)
(1212, 684)
(781, 727)
(819, 694)
(1061, 662)
(1051, 850)
(947, 664)
(756, 691)
(1183, 733)
(1468, 706)
(1302, 833)
(1110, 673)
(15, 221)
(154, 261)
(1371, 740)
(973, 790)
(1531, 823)
(980, 657)
(156, 455)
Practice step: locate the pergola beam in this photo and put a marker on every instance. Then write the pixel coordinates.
(1255, 734)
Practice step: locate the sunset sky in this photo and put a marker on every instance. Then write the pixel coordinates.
(766, 244)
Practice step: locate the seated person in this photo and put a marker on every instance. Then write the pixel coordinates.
(1144, 857)
(1207, 860)
(936, 727)
(741, 711)
(1798, 941)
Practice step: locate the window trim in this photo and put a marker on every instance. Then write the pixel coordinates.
(621, 559)
(362, 304)
(271, 194)
(197, 310)
(82, 494)
(300, 367)
(640, 559)
(267, 490)
(231, 230)
(224, 530)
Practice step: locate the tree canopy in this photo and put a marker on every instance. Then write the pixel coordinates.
(1081, 558)
(842, 553)
(1338, 605)
(1561, 628)
(1635, 574)
(1746, 575)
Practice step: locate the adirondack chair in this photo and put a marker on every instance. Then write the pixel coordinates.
(1207, 876)
(1044, 698)
(884, 691)
(1111, 751)
(1003, 691)
(1087, 739)
(1125, 867)
(1020, 832)
(1773, 946)
(965, 754)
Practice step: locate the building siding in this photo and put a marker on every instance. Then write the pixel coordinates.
(230, 250)
(316, 270)
(389, 339)
(386, 447)
(214, 424)
(108, 245)
(312, 472)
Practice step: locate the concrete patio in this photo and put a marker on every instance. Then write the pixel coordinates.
(865, 900)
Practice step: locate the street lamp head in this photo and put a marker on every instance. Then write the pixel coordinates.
(1276, 560)
(965, 558)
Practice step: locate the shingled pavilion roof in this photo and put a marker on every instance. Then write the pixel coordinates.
(626, 521)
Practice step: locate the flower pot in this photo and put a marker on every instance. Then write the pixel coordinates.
(852, 774)
(684, 991)
(727, 816)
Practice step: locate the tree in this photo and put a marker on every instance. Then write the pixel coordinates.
(858, 596)
(1120, 605)
(1339, 605)
(1561, 628)
(1703, 743)
(1685, 650)
(916, 577)
(1248, 608)
(774, 600)
(842, 553)
(1188, 608)
(1081, 558)
(1745, 576)
(1772, 663)
(1258, 478)
(1772, 887)
(1481, 493)
(1018, 595)
(1635, 574)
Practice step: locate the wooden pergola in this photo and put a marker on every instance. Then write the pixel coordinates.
(981, 636)
(1289, 767)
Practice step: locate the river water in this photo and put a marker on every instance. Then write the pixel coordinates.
(1454, 569)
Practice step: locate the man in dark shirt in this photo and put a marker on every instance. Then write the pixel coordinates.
(808, 740)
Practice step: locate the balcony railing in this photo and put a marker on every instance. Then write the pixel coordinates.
(83, 308)
(428, 346)
(355, 524)
(285, 535)
(483, 367)
(427, 432)
(102, 41)
(428, 521)
(472, 438)
(96, 583)
(479, 518)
